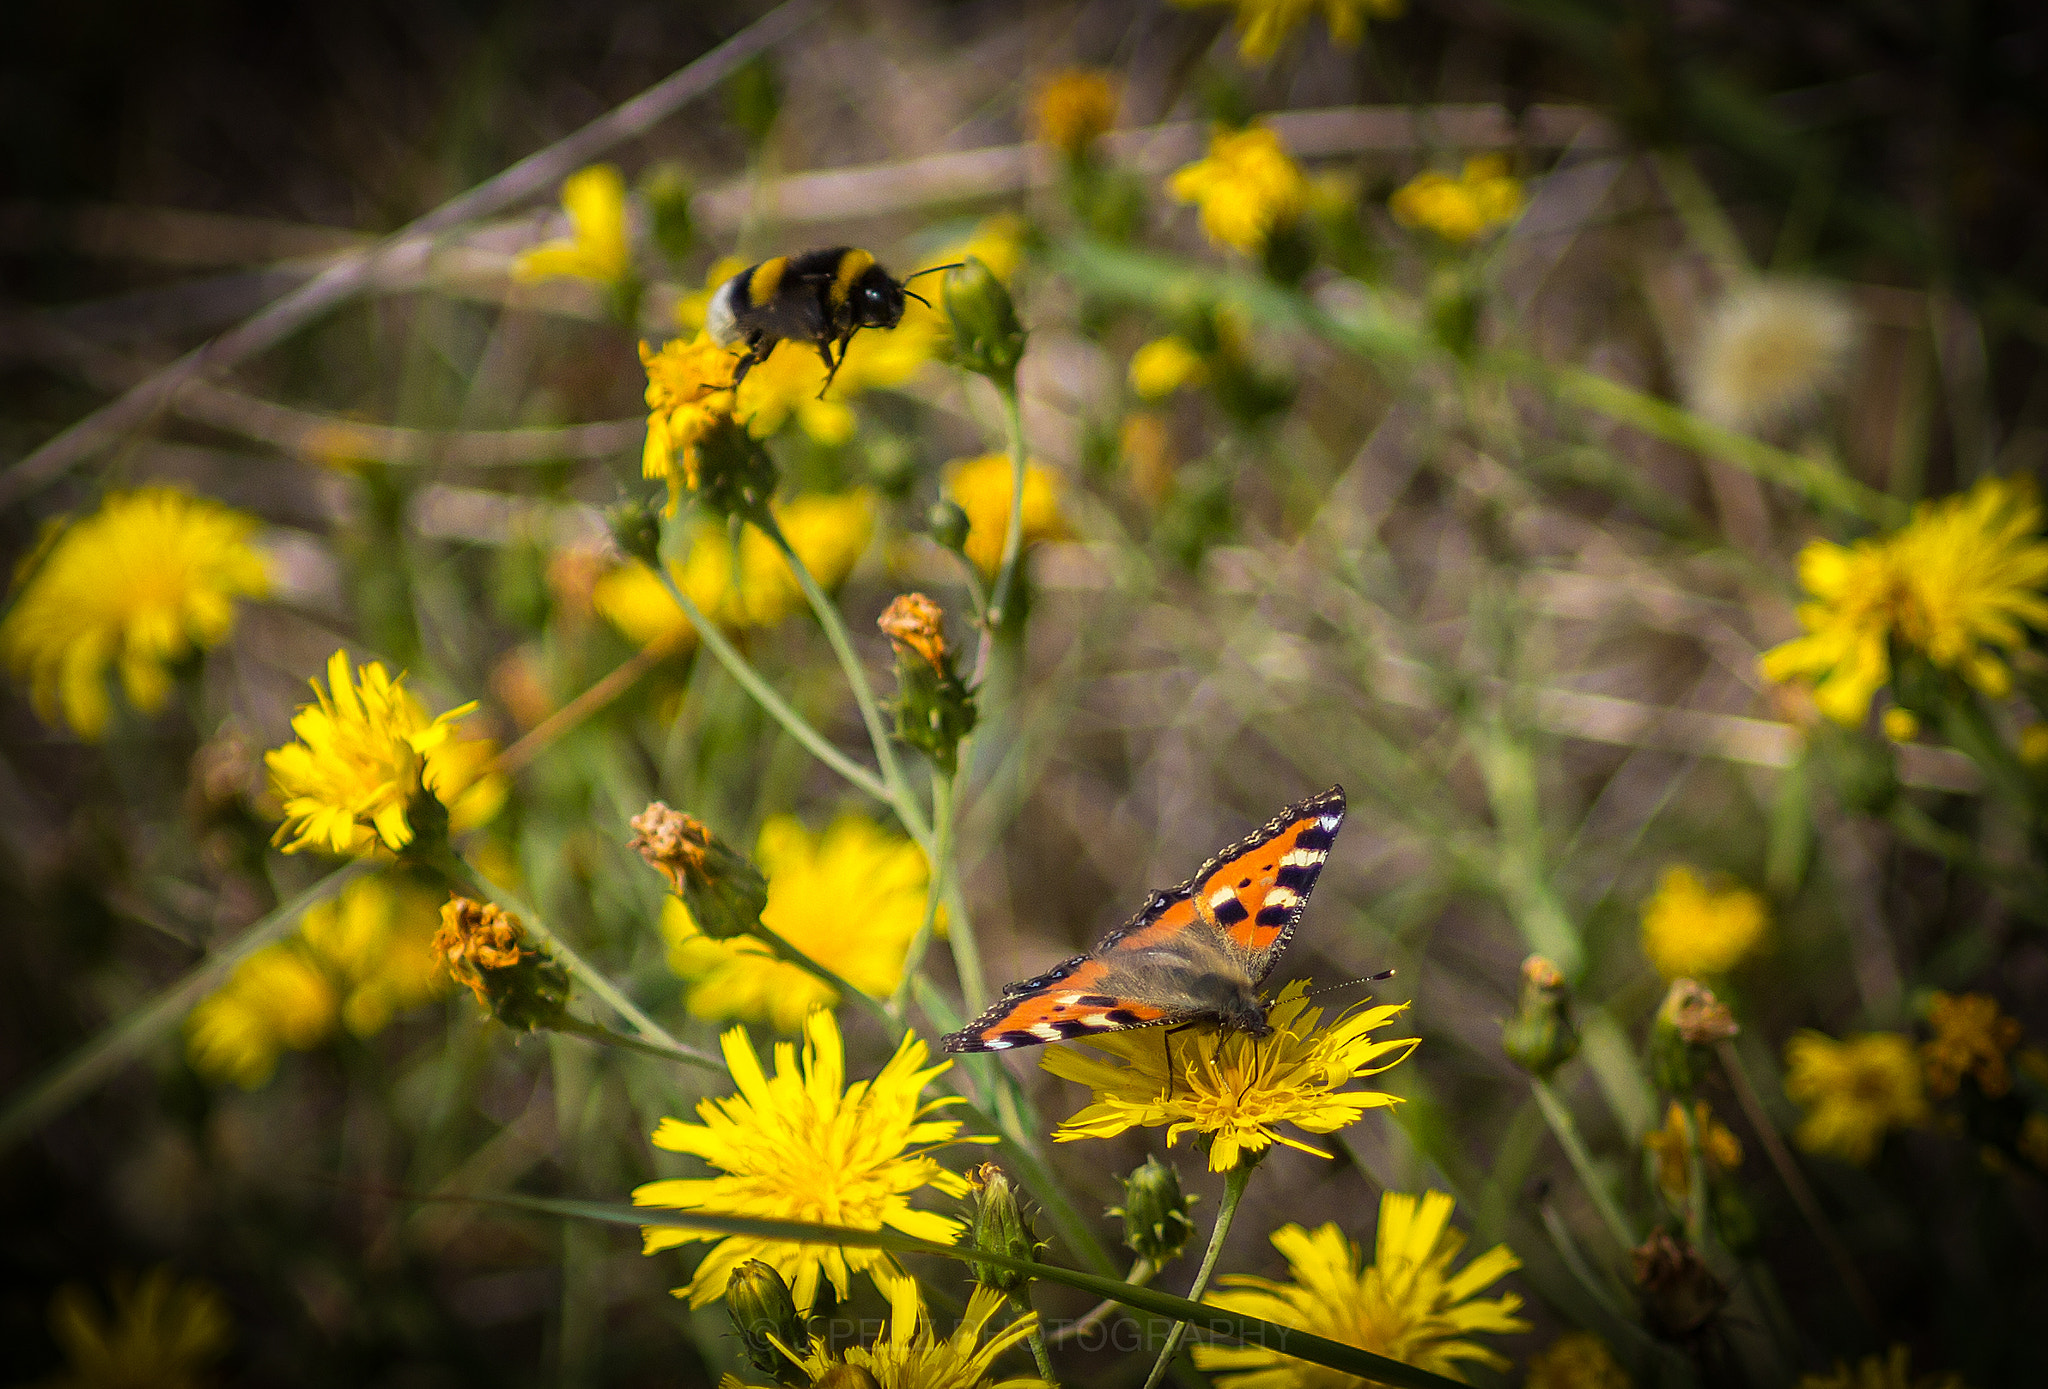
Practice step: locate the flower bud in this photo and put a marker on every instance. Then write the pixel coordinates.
(987, 338)
(1689, 1021)
(483, 947)
(1000, 1227)
(949, 524)
(765, 1318)
(934, 710)
(1679, 1293)
(636, 530)
(723, 890)
(1155, 1213)
(735, 475)
(1541, 1036)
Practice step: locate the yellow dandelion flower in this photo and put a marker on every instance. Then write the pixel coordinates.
(1229, 1087)
(363, 752)
(1247, 188)
(1074, 109)
(910, 1353)
(1263, 25)
(1462, 209)
(1693, 929)
(788, 383)
(164, 1331)
(1406, 1304)
(850, 898)
(599, 246)
(1165, 365)
(1720, 1150)
(1853, 1091)
(1971, 1038)
(1892, 1370)
(828, 533)
(138, 586)
(801, 1147)
(981, 488)
(686, 395)
(376, 941)
(1576, 1360)
(277, 1000)
(1846, 652)
(1768, 349)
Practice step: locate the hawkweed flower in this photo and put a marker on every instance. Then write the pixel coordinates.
(1263, 25)
(484, 948)
(1073, 109)
(1692, 927)
(1166, 365)
(934, 708)
(1680, 1295)
(1407, 1304)
(688, 394)
(1768, 349)
(1462, 209)
(1542, 1035)
(1971, 1038)
(162, 1331)
(1892, 1370)
(1720, 1150)
(1247, 189)
(1232, 1089)
(723, 891)
(789, 384)
(1155, 1213)
(368, 758)
(851, 899)
(133, 589)
(803, 1145)
(910, 1353)
(980, 487)
(598, 247)
(1576, 1360)
(1853, 1091)
(277, 1000)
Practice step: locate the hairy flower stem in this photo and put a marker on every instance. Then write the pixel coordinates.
(1021, 1302)
(1233, 1190)
(1566, 1128)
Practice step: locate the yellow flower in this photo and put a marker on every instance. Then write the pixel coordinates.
(2033, 1140)
(277, 1000)
(363, 753)
(687, 394)
(1853, 1091)
(851, 899)
(790, 381)
(1693, 930)
(1900, 725)
(1164, 365)
(1961, 583)
(1074, 109)
(911, 1354)
(135, 588)
(828, 533)
(376, 941)
(1971, 1038)
(1893, 1370)
(981, 488)
(1406, 1304)
(1247, 188)
(165, 1333)
(599, 248)
(1720, 1150)
(1483, 196)
(1233, 1089)
(796, 1148)
(1576, 1360)
(1768, 348)
(1263, 25)
(997, 242)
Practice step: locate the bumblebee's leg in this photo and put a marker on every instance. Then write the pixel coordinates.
(756, 355)
(832, 367)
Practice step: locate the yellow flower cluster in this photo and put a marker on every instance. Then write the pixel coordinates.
(911, 1354)
(981, 487)
(1961, 583)
(687, 394)
(851, 899)
(1576, 1360)
(356, 961)
(1972, 1037)
(1263, 25)
(1720, 1150)
(599, 247)
(1694, 930)
(133, 589)
(1246, 189)
(1074, 109)
(1462, 209)
(1853, 1091)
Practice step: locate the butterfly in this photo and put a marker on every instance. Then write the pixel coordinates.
(1194, 953)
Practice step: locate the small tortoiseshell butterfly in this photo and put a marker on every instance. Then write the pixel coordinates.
(1193, 953)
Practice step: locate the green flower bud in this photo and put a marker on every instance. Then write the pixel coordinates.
(1000, 1227)
(1688, 1022)
(949, 524)
(636, 530)
(484, 947)
(1541, 1036)
(987, 338)
(725, 893)
(666, 187)
(1155, 1213)
(934, 710)
(765, 1319)
(735, 475)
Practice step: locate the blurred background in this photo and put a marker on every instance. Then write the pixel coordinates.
(1367, 527)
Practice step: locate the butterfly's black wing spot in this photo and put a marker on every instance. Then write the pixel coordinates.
(1097, 1001)
(1123, 1017)
(1230, 913)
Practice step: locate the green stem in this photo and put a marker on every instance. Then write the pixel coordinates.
(1233, 1191)
(605, 1036)
(1567, 1130)
(1013, 532)
(750, 680)
(1021, 1300)
(789, 954)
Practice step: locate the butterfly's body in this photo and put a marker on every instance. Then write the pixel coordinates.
(1196, 953)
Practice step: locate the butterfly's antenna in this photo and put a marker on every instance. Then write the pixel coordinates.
(1352, 983)
(934, 269)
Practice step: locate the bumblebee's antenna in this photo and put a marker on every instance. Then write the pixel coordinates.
(1348, 983)
(933, 270)
(913, 294)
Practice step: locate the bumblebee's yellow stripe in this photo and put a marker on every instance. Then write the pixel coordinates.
(852, 266)
(766, 279)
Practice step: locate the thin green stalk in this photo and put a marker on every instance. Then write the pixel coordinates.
(1021, 1301)
(741, 670)
(1233, 1190)
(1695, 1181)
(1013, 532)
(605, 1036)
(1567, 1130)
(98, 1060)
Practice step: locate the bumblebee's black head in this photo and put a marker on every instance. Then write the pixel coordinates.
(875, 300)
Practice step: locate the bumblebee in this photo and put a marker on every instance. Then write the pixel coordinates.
(820, 297)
